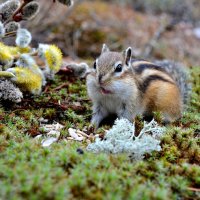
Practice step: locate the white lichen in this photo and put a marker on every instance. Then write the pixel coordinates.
(121, 139)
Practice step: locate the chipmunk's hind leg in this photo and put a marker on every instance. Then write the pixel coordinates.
(147, 114)
(164, 97)
(147, 117)
(170, 105)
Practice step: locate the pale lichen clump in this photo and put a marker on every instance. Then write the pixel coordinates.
(121, 139)
(9, 92)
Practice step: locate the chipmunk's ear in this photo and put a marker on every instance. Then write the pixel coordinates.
(104, 49)
(127, 55)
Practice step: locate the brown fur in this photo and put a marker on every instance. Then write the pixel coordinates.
(164, 97)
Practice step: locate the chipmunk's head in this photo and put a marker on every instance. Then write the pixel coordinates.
(110, 67)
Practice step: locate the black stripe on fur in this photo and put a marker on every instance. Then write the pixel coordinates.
(146, 83)
(141, 67)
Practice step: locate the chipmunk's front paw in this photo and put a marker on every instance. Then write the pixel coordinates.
(95, 123)
(96, 120)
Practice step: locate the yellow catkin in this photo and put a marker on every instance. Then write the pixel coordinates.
(53, 57)
(14, 50)
(2, 44)
(19, 50)
(9, 49)
(27, 80)
(5, 55)
(24, 49)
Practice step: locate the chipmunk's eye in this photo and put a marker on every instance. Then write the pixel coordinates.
(95, 65)
(118, 68)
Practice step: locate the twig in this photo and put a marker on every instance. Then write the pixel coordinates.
(15, 13)
(60, 86)
(19, 109)
(194, 189)
(34, 53)
(66, 70)
(46, 89)
(64, 107)
(10, 34)
(83, 134)
(149, 47)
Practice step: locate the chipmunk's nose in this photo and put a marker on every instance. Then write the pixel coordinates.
(100, 78)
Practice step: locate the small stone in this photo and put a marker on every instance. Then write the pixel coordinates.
(74, 135)
(80, 151)
(47, 142)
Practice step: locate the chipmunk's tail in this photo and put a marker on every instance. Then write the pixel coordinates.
(181, 75)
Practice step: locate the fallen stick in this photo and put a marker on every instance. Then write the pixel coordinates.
(61, 86)
(194, 189)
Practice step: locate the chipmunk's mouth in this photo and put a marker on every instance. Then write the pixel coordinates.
(104, 91)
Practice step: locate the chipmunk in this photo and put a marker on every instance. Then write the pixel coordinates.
(128, 87)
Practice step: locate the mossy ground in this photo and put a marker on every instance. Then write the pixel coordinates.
(29, 171)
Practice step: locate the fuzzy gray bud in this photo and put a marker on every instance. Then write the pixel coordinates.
(25, 60)
(2, 30)
(79, 70)
(8, 8)
(30, 10)
(9, 92)
(12, 26)
(67, 2)
(23, 37)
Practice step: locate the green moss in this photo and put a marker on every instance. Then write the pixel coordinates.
(28, 171)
